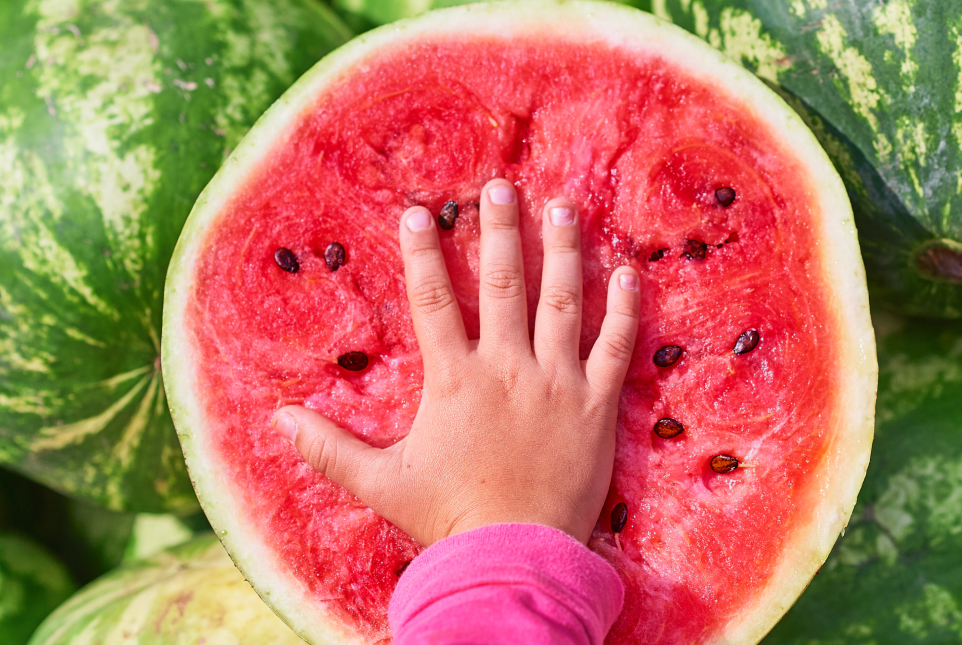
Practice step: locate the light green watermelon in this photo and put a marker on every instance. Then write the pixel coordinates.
(32, 584)
(113, 116)
(895, 577)
(190, 594)
(882, 85)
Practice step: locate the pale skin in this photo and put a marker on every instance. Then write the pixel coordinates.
(509, 429)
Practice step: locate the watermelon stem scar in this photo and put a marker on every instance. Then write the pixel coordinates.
(941, 260)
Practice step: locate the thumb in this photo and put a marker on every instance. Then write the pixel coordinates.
(332, 450)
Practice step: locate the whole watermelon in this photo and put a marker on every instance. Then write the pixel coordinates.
(895, 577)
(32, 584)
(881, 84)
(191, 593)
(114, 114)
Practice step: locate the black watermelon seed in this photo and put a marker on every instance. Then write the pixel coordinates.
(353, 361)
(725, 196)
(695, 250)
(722, 464)
(619, 517)
(448, 216)
(401, 569)
(668, 428)
(335, 256)
(747, 342)
(286, 260)
(657, 255)
(667, 355)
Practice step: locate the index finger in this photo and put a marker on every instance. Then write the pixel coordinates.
(434, 308)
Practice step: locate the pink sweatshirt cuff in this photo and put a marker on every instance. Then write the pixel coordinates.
(506, 583)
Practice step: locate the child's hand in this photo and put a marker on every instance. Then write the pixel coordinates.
(508, 430)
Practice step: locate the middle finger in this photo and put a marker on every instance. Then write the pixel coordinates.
(557, 326)
(502, 300)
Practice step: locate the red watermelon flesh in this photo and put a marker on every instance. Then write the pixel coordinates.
(641, 144)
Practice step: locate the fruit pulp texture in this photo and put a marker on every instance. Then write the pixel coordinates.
(641, 147)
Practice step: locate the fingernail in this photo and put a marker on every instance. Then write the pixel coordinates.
(628, 282)
(501, 194)
(418, 220)
(285, 426)
(562, 215)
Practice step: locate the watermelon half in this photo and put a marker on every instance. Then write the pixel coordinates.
(641, 125)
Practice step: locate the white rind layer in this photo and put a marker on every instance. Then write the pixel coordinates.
(839, 476)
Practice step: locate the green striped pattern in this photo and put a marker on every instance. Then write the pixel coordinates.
(881, 82)
(32, 584)
(114, 114)
(895, 577)
(187, 595)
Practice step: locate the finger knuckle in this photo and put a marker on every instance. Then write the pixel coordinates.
(322, 454)
(509, 377)
(619, 345)
(564, 245)
(504, 282)
(425, 251)
(564, 300)
(625, 311)
(449, 381)
(503, 221)
(431, 296)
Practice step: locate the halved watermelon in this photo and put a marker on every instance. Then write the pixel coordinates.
(682, 163)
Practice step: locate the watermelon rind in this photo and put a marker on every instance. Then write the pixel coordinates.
(113, 116)
(845, 460)
(188, 594)
(32, 584)
(894, 577)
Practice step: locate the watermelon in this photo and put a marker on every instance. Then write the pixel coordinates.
(882, 83)
(32, 584)
(188, 594)
(113, 117)
(895, 577)
(286, 287)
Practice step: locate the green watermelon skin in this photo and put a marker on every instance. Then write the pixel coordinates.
(32, 584)
(895, 576)
(113, 116)
(881, 84)
(188, 594)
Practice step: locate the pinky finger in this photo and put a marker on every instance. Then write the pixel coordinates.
(608, 362)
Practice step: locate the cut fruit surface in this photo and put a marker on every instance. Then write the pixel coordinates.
(755, 337)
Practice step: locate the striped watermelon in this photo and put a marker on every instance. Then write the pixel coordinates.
(32, 583)
(895, 577)
(114, 114)
(188, 594)
(881, 84)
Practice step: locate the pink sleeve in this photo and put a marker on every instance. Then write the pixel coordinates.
(506, 583)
